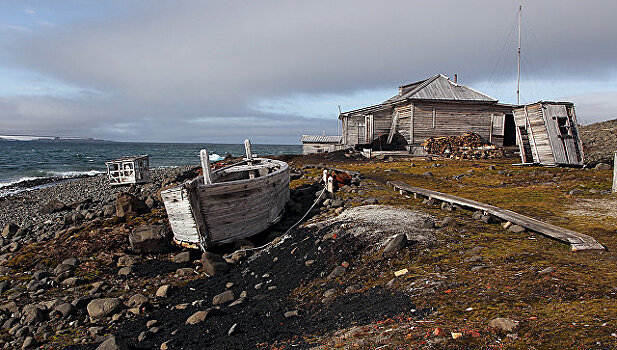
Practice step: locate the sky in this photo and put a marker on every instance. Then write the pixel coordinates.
(223, 71)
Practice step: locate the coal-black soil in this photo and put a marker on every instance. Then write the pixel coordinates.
(261, 318)
(155, 267)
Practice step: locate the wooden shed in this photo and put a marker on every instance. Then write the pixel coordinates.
(320, 143)
(547, 133)
(432, 107)
(128, 170)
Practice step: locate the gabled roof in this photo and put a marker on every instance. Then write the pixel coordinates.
(438, 87)
(321, 138)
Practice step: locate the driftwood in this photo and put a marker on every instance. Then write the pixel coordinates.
(577, 241)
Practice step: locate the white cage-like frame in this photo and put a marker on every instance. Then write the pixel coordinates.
(128, 170)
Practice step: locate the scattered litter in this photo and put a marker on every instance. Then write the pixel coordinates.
(456, 335)
(400, 272)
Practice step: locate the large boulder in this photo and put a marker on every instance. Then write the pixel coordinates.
(127, 203)
(198, 317)
(213, 264)
(224, 298)
(396, 243)
(33, 314)
(54, 206)
(103, 307)
(504, 324)
(137, 300)
(9, 230)
(149, 239)
(113, 343)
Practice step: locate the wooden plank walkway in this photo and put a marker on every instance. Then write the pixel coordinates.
(577, 241)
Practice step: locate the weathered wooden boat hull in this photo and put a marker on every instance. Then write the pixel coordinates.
(221, 212)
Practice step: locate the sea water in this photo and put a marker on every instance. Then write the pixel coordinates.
(21, 161)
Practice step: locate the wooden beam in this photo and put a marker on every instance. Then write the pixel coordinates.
(490, 132)
(249, 156)
(530, 133)
(434, 117)
(205, 166)
(615, 173)
(577, 241)
(247, 148)
(392, 128)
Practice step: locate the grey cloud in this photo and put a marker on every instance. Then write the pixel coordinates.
(172, 62)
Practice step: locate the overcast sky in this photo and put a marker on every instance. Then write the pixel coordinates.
(222, 71)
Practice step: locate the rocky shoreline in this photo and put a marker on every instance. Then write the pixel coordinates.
(87, 266)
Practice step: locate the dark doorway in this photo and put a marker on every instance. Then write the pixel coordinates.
(509, 131)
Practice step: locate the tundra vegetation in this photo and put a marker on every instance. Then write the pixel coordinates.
(368, 267)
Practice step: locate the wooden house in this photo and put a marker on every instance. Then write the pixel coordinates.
(320, 143)
(432, 107)
(547, 133)
(128, 170)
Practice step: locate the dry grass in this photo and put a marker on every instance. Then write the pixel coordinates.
(572, 307)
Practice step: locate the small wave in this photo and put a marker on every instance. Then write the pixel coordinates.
(69, 174)
(45, 177)
(23, 179)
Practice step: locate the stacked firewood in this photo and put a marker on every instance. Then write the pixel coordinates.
(452, 144)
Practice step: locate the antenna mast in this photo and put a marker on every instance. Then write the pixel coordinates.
(339, 114)
(518, 79)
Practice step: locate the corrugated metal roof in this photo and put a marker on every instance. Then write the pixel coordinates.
(321, 138)
(438, 87)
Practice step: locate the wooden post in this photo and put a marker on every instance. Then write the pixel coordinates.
(330, 185)
(247, 147)
(434, 117)
(249, 157)
(392, 128)
(615, 173)
(411, 123)
(205, 166)
(490, 132)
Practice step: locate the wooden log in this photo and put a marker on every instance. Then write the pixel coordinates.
(577, 241)
(205, 166)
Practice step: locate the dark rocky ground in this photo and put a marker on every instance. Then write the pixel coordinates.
(369, 268)
(72, 276)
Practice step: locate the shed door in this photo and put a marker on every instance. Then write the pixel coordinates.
(562, 140)
(361, 133)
